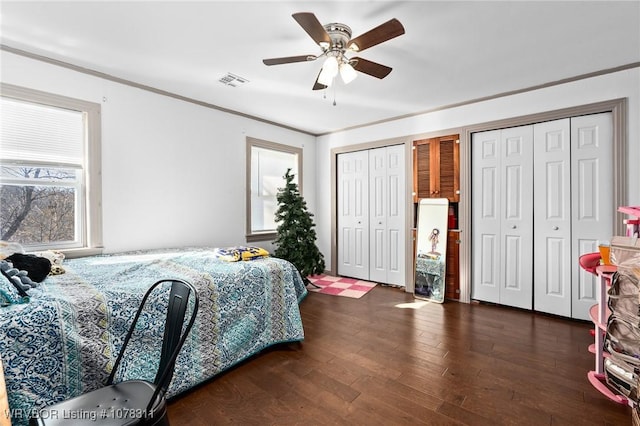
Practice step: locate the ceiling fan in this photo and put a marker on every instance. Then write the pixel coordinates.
(335, 41)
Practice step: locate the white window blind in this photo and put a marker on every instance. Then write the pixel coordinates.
(31, 132)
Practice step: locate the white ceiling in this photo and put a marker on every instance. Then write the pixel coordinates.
(452, 52)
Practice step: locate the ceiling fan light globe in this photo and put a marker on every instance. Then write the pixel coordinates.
(330, 66)
(348, 73)
(325, 78)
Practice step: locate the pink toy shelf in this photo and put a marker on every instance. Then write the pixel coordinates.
(599, 314)
(633, 224)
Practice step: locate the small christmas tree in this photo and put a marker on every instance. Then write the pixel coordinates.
(296, 240)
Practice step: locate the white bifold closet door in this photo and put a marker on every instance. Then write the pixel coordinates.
(372, 215)
(353, 214)
(592, 208)
(552, 217)
(536, 209)
(503, 216)
(573, 209)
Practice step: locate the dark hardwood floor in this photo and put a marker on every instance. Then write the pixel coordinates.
(381, 360)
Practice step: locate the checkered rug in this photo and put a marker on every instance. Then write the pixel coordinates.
(340, 286)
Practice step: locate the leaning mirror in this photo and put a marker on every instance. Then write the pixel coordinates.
(431, 249)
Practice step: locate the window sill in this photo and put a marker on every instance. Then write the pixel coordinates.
(267, 236)
(81, 252)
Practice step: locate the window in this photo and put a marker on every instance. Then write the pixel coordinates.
(267, 163)
(49, 171)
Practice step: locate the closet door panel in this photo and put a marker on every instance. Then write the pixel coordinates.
(353, 214)
(378, 192)
(553, 279)
(449, 183)
(584, 284)
(425, 169)
(513, 263)
(396, 245)
(378, 253)
(488, 278)
(552, 217)
(396, 214)
(516, 216)
(485, 195)
(591, 198)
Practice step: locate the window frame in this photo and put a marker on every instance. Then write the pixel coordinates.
(90, 203)
(273, 146)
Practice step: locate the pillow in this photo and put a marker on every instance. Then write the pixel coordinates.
(8, 248)
(250, 253)
(234, 254)
(55, 257)
(9, 293)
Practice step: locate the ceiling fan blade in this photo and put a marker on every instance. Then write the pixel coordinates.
(312, 26)
(288, 60)
(390, 29)
(372, 68)
(317, 85)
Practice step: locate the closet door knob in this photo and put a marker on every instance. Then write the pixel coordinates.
(513, 227)
(555, 228)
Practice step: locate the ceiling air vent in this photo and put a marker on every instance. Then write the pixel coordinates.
(233, 80)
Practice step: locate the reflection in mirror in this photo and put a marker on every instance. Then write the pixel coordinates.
(431, 249)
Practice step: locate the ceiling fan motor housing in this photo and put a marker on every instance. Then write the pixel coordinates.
(340, 35)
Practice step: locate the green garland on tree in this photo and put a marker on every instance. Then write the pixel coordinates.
(296, 240)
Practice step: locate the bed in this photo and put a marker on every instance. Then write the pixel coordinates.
(62, 342)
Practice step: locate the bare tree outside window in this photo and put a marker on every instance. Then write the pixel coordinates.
(38, 205)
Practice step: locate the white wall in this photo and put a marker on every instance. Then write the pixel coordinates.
(173, 173)
(623, 84)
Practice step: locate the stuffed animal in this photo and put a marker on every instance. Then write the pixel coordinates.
(55, 257)
(37, 267)
(20, 279)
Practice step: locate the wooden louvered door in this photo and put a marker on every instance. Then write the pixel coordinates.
(436, 174)
(437, 168)
(422, 169)
(449, 177)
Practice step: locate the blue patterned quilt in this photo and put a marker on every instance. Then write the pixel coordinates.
(64, 341)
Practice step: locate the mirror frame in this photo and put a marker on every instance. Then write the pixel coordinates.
(431, 249)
